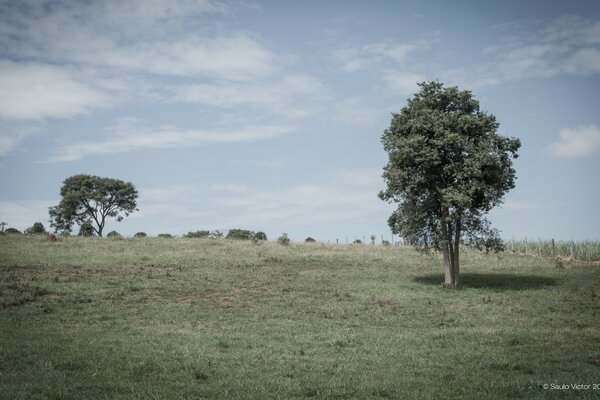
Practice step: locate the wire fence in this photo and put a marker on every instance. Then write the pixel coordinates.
(587, 250)
(583, 250)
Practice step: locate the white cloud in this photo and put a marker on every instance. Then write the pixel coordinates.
(290, 95)
(21, 214)
(577, 142)
(356, 111)
(135, 36)
(584, 62)
(357, 58)
(346, 196)
(403, 83)
(37, 91)
(167, 138)
(566, 45)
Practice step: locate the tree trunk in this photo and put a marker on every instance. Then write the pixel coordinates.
(450, 251)
(447, 253)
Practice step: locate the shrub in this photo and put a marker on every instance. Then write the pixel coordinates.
(357, 241)
(309, 240)
(86, 229)
(240, 234)
(283, 239)
(197, 234)
(260, 236)
(36, 229)
(386, 243)
(165, 235)
(140, 235)
(12, 231)
(113, 234)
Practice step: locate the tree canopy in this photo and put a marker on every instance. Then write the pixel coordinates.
(92, 199)
(448, 167)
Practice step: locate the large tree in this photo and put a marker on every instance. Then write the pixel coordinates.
(448, 167)
(92, 199)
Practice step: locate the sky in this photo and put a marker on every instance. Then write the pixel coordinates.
(268, 115)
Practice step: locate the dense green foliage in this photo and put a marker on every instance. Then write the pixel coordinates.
(240, 234)
(86, 318)
(86, 198)
(448, 167)
(197, 234)
(260, 236)
(140, 235)
(86, 229)
(284, 239)
(36, 229)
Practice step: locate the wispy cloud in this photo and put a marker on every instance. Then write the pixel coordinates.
(340, 197)
(22, 214)
(38, 91)
(166, 138)
(581, 141)
(566, 45)
(134, 36)
(403, 83)
(291, 95)
(358, 58)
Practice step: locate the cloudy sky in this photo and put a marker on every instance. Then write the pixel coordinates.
(267, 115)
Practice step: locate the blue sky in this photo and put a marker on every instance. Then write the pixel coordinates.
(267, 115)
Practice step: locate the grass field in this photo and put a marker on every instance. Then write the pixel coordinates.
(90, 318)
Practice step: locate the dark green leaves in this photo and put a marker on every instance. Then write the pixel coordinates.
(446, 163)
(87, 198)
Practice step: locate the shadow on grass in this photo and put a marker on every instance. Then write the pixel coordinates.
(492, 281)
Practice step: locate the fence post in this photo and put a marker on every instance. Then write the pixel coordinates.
(572, 250)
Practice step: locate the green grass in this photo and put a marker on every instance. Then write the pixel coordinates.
(90, 318)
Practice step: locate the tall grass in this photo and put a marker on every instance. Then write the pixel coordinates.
(584, 250)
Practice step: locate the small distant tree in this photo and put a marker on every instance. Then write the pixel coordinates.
(87, 198)
(114, 234)
(448, 167)
(140, 235)
(309, 240)
(37, 229)
(373, 237)
(284, 239)
(240, 234)
(260, 236)
(13, 231)
(86, 229)
(165, 235)
(357, 241)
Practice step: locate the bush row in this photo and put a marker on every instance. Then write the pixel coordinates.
(87, 229)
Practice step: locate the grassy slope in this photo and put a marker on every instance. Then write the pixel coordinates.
(189, 318)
